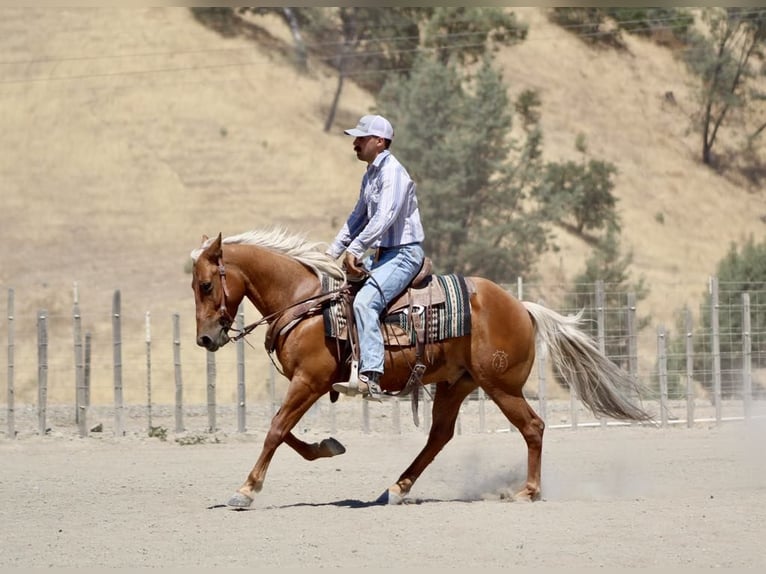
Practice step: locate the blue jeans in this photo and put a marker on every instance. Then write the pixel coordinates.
(389, 277)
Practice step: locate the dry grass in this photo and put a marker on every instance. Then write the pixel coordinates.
(127, 134)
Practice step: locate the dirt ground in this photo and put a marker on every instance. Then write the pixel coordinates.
(612, 497)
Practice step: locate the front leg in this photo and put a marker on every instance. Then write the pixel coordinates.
(301, 394)
(328, 448)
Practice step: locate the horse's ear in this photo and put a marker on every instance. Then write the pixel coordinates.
(204, 238)
(214, 252)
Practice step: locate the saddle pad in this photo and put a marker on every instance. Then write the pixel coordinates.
(451, 318)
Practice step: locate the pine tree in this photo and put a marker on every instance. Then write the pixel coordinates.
(475, 182)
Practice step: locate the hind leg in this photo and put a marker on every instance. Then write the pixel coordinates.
(531, 426)
(446, 407)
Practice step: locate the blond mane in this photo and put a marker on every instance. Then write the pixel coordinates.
(309, 253)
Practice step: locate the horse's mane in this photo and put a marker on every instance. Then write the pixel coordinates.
(295, 245)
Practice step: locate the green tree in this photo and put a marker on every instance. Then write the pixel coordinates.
(665, 25)
(468, 33)
(608, 265)
(475, 182)
(586, 22)
(376, 43)
(604, 26)
(579, 194)
(742, 270)
(369, 44)
(725, 60)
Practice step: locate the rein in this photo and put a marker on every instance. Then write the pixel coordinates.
(273, 318)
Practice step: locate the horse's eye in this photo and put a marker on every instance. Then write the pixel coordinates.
(206, 288)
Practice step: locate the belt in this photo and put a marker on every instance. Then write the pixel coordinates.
(384, 249)
(381, 250)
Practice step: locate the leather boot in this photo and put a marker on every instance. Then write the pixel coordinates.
(373, 392)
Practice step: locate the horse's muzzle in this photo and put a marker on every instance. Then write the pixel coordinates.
(213, 343)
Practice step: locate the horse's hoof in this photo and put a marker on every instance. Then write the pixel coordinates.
(332, 446)
(390, 498)
(239, 500)
(525, 496)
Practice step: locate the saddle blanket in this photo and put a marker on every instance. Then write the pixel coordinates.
(448, 319)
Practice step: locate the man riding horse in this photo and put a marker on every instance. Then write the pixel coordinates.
(386, 219)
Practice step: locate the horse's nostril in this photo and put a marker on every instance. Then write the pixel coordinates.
(204, 341)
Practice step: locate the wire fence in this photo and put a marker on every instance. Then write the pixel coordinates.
(70, 373)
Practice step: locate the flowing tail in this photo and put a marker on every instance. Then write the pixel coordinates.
(600, 384)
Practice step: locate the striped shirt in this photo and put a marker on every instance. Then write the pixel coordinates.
(386, 213)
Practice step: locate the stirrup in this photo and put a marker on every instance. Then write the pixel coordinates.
(354, 388)
(350, 388)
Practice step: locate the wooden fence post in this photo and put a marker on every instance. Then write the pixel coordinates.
(241, 403)
(211, 374)
(541, 391)
(573, 407)
(662, 362)
(689, 369)
(601, 327)
(747, 365)
(396, 419)
(427, 405)
(600, 312)
(78, 365)
(632, 337)
(42, 371)
(148, 373)
(273, 389)
(716, 347)
(11, 388)
(179, 396)
(119, 421)
(85, 395)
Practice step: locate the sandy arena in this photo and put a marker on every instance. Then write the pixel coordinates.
(612, 497)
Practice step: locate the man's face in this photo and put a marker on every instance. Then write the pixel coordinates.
(367, 148)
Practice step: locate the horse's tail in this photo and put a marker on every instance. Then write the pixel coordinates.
(600, 384)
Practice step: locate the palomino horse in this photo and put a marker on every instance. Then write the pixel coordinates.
(280, 273)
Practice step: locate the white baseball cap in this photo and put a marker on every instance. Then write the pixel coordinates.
(372, 126)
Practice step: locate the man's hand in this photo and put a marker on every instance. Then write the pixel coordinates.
(354, 268)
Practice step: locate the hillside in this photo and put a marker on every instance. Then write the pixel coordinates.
(678, 216)
(129, 133)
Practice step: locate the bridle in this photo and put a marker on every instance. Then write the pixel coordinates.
(225, 319)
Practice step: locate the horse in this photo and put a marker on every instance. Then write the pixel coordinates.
(280, 274)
